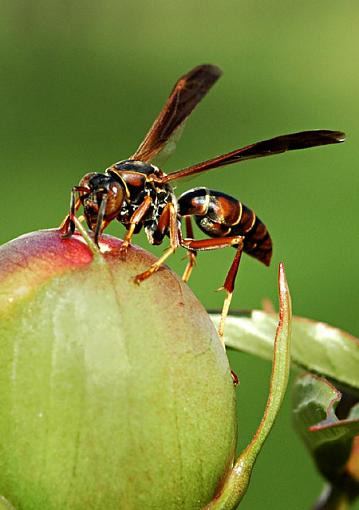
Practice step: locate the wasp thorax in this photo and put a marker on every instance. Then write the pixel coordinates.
(102, 198)
(131, 165)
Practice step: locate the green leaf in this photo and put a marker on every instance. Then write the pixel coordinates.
(314, 404)
(328, 438)
(236, 484)
(316, 346)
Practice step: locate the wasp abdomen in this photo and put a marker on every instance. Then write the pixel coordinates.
(220, 215)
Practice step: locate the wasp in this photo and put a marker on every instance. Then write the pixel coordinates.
(140, 195)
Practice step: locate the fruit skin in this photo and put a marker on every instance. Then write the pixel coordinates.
(113, 395)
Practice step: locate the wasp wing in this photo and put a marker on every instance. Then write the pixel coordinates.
(277, 145)
(186, 94)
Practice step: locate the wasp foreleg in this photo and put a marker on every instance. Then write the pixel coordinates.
(67, 227)
(100, 218)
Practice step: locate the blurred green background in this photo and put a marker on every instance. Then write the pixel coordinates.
(82, 81)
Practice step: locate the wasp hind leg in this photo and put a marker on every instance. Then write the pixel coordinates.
(228, 286)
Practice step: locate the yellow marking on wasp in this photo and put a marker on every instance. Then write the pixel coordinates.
(239, 215)
(253, 222)
(115, 171)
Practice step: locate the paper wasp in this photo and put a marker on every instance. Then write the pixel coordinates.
(139, 194)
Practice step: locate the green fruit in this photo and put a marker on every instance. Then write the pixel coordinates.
(113, 395)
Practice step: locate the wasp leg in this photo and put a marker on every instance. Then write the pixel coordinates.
(135, 219)
(213, 244)
(155, 267)
(167, 225)
(100, 223)
(234, 378)
(67, 227)
(167, 221)
(191, 254)
(175, 232)
(228, 286)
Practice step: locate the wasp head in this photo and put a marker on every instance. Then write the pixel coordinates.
(100, 195)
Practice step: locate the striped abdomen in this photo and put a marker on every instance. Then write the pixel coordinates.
(220, 215)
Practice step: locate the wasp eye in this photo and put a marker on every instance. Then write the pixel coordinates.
(87, 179)
(115, 199)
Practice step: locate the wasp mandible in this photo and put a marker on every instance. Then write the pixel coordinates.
(139, 194)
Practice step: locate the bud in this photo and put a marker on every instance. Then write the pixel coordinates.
(113, 395)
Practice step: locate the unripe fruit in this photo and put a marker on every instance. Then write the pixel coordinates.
(113, 395)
